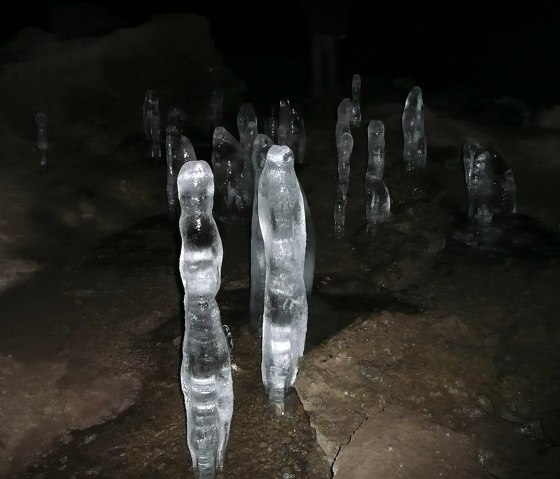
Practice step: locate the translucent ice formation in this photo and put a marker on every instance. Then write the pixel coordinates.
(415, 149)
(296, 136)
(258, 267)
(152, 124)
(177, 117)
(42, 138)
(344, 116)
(380, 205)
(262, 145)
(206, 379)
(172, 142)
(215, 109)
(282, 220)
(234, 179)
(356, 111)
(245, 117)
(271, 125)
(186, 150)
(376, 159)
(346, 144)
(284, 118)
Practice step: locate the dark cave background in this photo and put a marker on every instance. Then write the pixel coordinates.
(496, 49)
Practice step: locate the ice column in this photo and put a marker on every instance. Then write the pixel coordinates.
(284, 119)
(233, 174)
(206, 367)
(186, 150)
(480, 190)
(356, 111)
(151, 124)
(379, 206)
(344, 152)
(177, 117)
(42, 138)
(378, 202)
(296, 136)
(261, 146)
(344, 116)
(172, 142)
(376, 155)
(415, 149)
(271, 125)
(509, 193)
(215, 109)
(282, 220)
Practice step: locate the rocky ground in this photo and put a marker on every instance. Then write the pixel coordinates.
(424, 357)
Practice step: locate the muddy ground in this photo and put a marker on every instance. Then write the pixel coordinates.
(429, 338)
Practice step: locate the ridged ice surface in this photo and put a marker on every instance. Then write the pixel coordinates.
(172, 143)
(415, 148)
(356, 110)
(345, 147)
(215, 109)
(206, 379)
(380, 205)
(282, 219)
(344, 117)
(258, 267)
(233, 175)
(376, 158)
(262, 145)
(491, 187)
(152, 124)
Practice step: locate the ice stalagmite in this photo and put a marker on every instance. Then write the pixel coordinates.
(261, 146)
(152, 124)
(415, 149)
(284, 118)
(247, 126)
(172, 143)
(376, 157)
(233, 173)
(186, 150)
(344, 152)
(215, 109)
(378, 203)
(344, 117)
(509, 192)
(356, 111)
(206, 379)
(177, 117)
(42, 138)
(379, 206)
(271, 125)
(282, 220)
(480, 190)
(471, 149)
(296, 136)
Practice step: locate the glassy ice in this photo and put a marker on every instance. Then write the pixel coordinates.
(356, 111)
(415, 149)
(282, 219)
(258, 267)
(206, 379)
(233, 173)
(344, 152)
(152, 124)
(376, 158)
